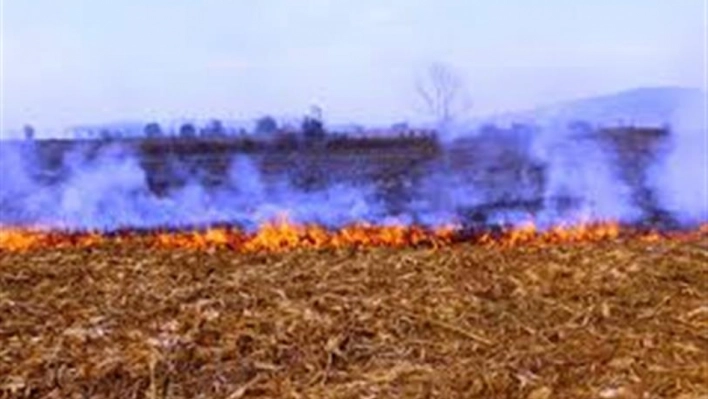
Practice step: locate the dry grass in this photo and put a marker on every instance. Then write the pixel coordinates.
(603, 320)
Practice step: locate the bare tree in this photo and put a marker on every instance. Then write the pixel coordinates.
(444, 94)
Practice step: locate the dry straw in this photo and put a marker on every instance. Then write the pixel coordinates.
(616, 318)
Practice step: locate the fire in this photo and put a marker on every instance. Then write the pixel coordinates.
(584, 232)
(282, 236)
(18, 240)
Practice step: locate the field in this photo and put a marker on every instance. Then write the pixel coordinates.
(505, 175)
(623, 317)
(471, 310)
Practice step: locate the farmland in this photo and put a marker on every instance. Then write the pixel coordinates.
(353, 200)
(602, 309)
(617, 317)
(499, 167)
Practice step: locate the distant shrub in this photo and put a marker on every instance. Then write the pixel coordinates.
(312, 128)
(215, 128)
(187, 130)
(29, 132)
(266, 125)
(153, 129)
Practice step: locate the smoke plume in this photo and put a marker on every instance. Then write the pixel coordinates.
(549, 177)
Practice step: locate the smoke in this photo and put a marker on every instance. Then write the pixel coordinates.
(549, 176)
(109, 190)
(581, 184)
(681, 179)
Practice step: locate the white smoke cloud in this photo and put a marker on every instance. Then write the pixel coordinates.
(579, 170)
(681, 178)
(108, 190)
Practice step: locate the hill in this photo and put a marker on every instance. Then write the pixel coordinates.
(653, 106)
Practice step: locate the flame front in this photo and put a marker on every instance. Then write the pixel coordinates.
(282, 236)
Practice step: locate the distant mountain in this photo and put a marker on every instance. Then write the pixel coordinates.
(655, 106)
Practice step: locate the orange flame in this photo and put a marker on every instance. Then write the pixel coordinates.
(282, 235)
(18, 240)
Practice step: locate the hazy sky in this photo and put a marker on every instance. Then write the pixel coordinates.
(68, 62)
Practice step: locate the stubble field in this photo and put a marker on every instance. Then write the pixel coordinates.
(617, 318)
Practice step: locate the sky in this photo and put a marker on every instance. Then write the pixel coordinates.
(75, 62)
